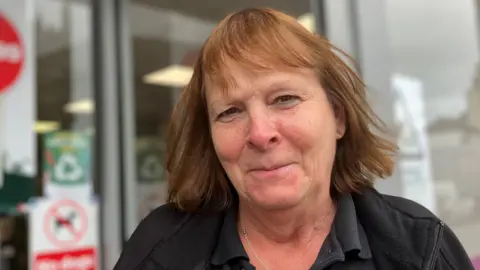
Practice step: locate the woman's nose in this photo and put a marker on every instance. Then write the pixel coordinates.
(262, 133)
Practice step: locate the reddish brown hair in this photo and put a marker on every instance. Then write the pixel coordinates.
(264, 39)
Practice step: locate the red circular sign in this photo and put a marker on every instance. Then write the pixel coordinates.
(65, 223)
(11, 54)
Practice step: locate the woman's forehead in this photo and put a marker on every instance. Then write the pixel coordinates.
(222, 61)
(232, 73)
(242, 79)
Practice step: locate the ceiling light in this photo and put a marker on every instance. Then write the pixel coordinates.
(46, 126)
(83, 106)
(172, 76)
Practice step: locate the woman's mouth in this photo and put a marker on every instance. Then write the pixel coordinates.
(270, 172)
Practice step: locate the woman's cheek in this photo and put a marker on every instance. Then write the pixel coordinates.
(228, 140)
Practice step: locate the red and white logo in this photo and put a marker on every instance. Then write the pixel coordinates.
(11, 53)
(66, 223)
(80, 259)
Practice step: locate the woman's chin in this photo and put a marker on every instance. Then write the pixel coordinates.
(275, 200)
(284, 193)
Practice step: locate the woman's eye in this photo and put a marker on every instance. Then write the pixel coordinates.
(285, 99)
(228, 113)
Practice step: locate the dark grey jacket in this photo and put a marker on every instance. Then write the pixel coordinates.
(402, 235)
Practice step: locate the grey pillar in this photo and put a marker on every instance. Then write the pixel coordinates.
(127, 103)
(108, 130)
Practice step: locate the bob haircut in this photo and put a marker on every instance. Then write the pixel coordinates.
(265, 39)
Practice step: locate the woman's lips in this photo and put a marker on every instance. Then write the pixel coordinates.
(270, 173)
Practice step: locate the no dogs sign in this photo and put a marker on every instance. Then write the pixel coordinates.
(64, 235)
(65, 223)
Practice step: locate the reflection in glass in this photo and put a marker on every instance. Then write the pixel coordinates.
(436, 43)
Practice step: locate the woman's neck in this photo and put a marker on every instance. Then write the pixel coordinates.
(296, 225)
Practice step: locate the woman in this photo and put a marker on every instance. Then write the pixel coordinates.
(273, 153)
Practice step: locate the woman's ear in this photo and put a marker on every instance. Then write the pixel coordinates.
(340, 121)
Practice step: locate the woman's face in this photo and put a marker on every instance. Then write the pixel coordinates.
(275, 135)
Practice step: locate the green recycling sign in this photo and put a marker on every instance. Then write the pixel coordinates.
(66, 159)
(150, 160)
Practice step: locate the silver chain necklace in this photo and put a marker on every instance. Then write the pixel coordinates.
(245, 235)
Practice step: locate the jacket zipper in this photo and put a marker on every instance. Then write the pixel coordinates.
(436, 246)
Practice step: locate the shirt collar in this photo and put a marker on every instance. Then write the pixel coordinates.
(229, 245)
(348, 230)
(347, 234)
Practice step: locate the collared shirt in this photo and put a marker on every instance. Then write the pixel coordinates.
(346, 246)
